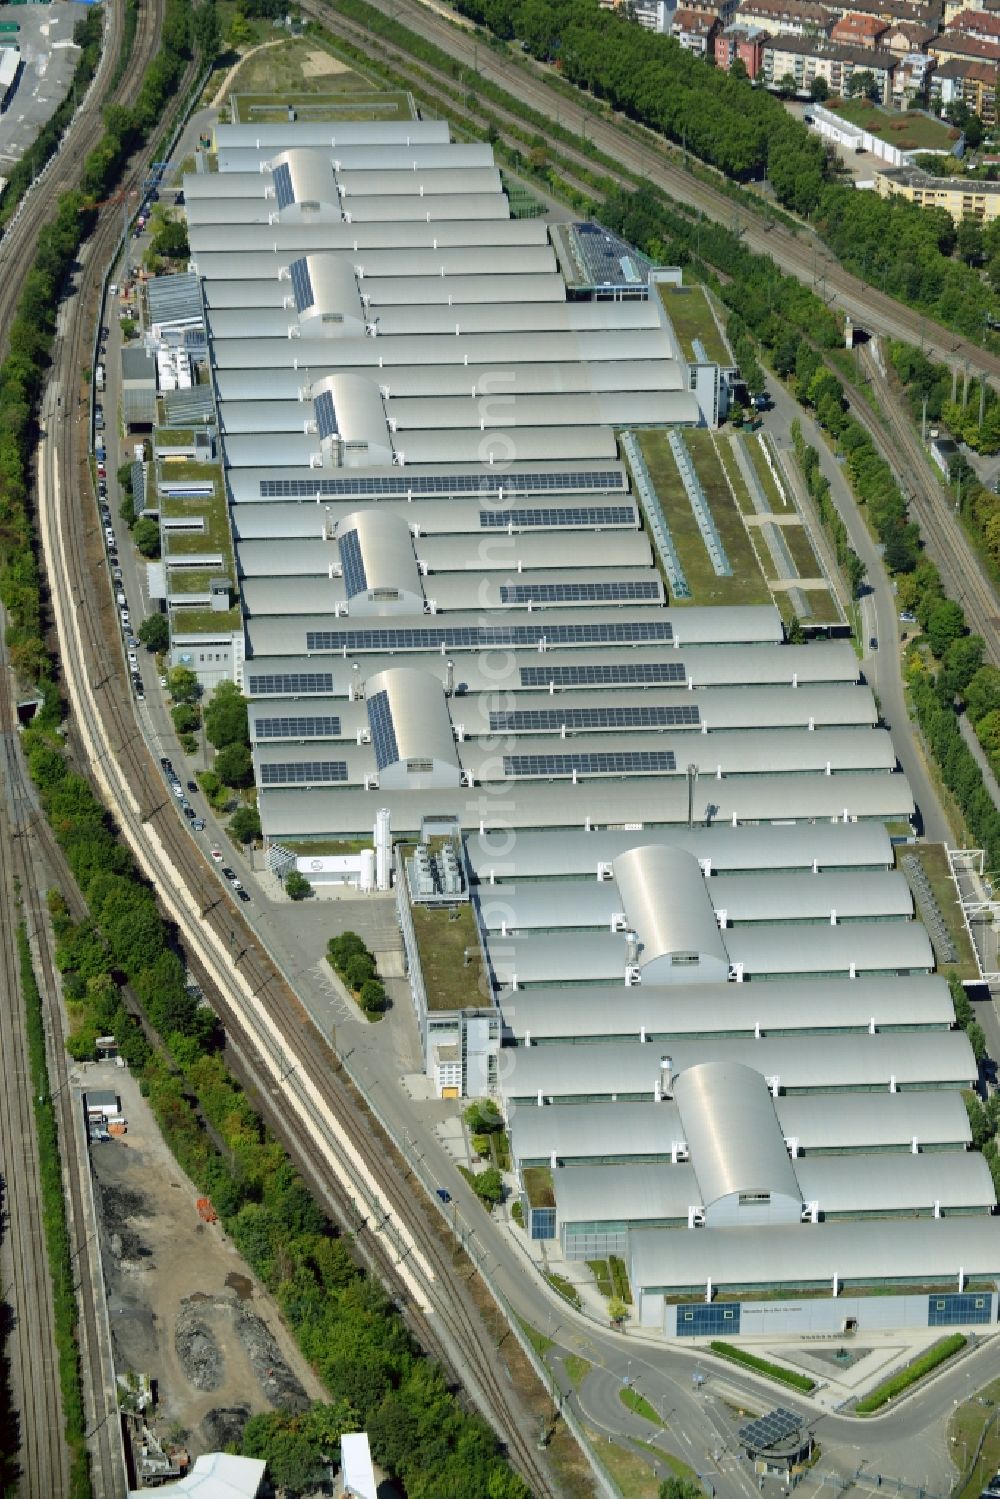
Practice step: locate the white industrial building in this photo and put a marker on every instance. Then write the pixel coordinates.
(702, 997)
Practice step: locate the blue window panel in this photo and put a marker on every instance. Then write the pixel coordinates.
(283, 191)
(708, 1319)
(543, 1223)
(551, 720)
(351, 560)
(483, 637)
(302, 284)
(500, 518)
(303, 772)
(614, 674)
(957, 1308)
(597, 763)
(625, 591)
(270, 684)
(484, 482)
(383, 730)
(326, 417)
(323, 727)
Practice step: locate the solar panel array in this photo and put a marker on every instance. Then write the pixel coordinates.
(484, 637)
(326, 417)
(283, 190)
(548, 720)
(270, 684)
(574, 515)
(383, 730)
(596, 763)
(767, 1431)
(351, 560)
(324, 726)
(611, 674)
(302, 772)
(623, 591)
(485, 482)
(302, 284)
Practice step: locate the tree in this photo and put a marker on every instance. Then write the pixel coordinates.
(207, 32)
(126, 510)
(617, 1311)
(795, 633)
(297, 887)
(293, 1462)
(483, 1118)
(787, 87)
(371, 996)
(819, 89)
(146, 536)
(863, 84)
(234, 765)
(182, 684)
(969, 241)
(677, 1488)
(226, 717)
(359, 968)
(982, 695)
(154, 632)
(945, 624)
(171, 240)
(245, 824)
(488, 1186)
(185, 717)
(342, 948)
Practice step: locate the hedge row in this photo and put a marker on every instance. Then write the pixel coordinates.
(762, 1366)
(56, 1230)
(890, 1388)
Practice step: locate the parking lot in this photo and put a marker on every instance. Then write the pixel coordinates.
(49, 56)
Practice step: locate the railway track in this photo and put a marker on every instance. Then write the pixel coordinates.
(17, 247)
(946, 542)
(446, 1320)
(801, 255)
(30, 1345)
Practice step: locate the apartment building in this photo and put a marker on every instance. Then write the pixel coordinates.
(859, 30)
(959, 44)
(906, 37)
(971, 83)
(806, 58)
(695, 30)
(962, 197)
(786, 18)
(746, 43)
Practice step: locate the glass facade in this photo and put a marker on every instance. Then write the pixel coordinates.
(959, 1308)
(708, 1320)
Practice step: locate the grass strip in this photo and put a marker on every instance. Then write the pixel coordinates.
(937, 1354)
(56, 1230)
(763, 1366)
(638, 1404)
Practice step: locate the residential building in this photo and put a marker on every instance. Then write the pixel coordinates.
(953, 8)
(856, 30)
(962, 197)
(695, 30)
(952, 43)
(805, 58)
(912, 78)
(743, 42)
(906, 37)
(980, 23)
(786, 17)
(971, 83)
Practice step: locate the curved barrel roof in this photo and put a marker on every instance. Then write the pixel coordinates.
(734, 1139)
(668, 907)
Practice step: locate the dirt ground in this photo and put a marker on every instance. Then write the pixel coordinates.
(184, 1306)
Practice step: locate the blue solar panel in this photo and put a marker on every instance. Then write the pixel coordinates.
(483, 637)
(325, 726)
(351, 560)
(573, 515)
(625, 591)
(272, 683)
(597, 763)
(613, 674)
(549, 720)
(326, 417)
(302, 284)
(486, 481)
(383, 730)
(283, 190)
(303, 772)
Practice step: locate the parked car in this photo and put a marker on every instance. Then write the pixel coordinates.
(907, 616)
(189, 813)
(199, 825)
(192, 786)
(230, 874)
(165, 763)
(873, 642)
(217, 855)
(244, 895)
(178, 790)
(444, 1194)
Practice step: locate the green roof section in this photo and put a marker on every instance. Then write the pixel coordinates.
(690, 312)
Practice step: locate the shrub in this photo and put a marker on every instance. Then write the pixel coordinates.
(763, 1366)
(897, 1383)
(297, 886)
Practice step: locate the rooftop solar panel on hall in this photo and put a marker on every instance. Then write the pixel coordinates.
(483, 637)
(607, 260)
(283, 191)
(302, 285)
(270, 684)
(770, 1430)
(576, 516)
(551, 720)
(582, 480)
(594, 762)
(626, 590)
(612, 674)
